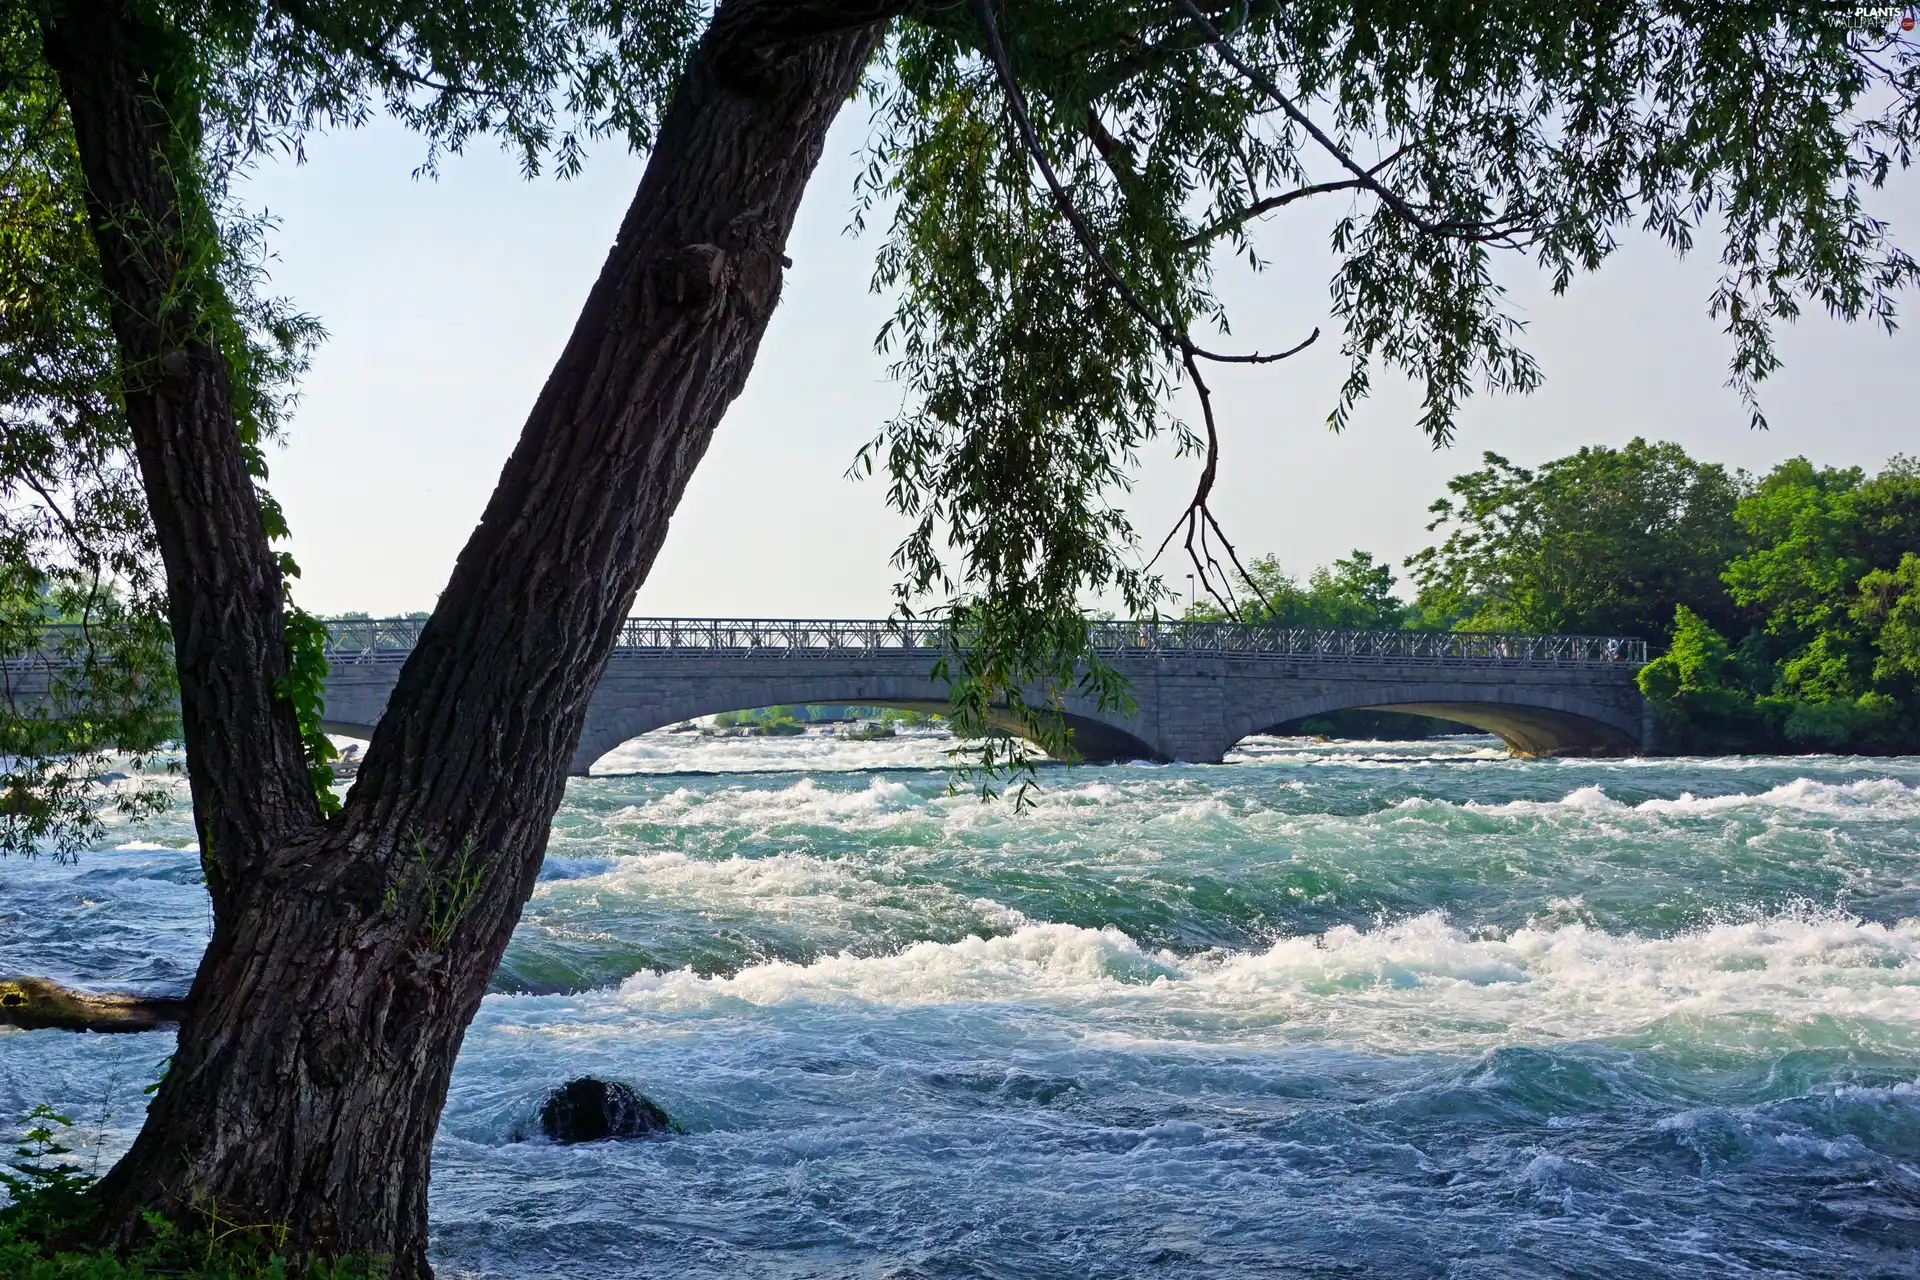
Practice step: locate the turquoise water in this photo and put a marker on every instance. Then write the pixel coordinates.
(1328, 1009)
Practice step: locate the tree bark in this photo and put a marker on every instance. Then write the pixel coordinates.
(136, 125)
(349, 956)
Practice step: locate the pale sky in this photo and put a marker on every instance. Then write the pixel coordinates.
(448, 300)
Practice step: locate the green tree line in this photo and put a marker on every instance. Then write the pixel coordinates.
(1783, 610)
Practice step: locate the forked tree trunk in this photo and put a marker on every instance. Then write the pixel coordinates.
(349, 956)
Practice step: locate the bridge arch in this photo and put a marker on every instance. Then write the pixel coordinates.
(1532, 721)
(613, 719)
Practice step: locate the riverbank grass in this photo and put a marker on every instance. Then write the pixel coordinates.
(45, 1230)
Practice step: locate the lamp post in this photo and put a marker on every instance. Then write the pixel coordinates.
(1189, 595)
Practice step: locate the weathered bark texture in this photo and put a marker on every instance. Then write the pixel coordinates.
(136, 128)
(37, 1004)
(349, 956)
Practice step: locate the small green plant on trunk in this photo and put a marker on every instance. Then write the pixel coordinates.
(449, 890)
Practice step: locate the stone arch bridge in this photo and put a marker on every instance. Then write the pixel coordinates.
(1200, 687)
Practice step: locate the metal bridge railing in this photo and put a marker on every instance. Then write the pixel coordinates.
(383, 640)
(391, 639)
(372, 639)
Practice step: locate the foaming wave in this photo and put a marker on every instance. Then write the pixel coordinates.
(1410, 985)
(814, 751)
(795, 885)
(886, 802)
(806, 801)
(1033, 962)
(1157, 795)
(1871, 798)
(1369, 754)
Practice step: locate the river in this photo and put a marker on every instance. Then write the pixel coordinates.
(1329, 1009)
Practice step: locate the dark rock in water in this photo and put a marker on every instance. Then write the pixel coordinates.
(588, 1110)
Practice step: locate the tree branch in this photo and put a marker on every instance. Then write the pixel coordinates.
(1240, 218)
(1255, 357)
(1362, 177)
(802, 21)
(374, 50)
(126, 98)
(1017, 103)
(1198, 519)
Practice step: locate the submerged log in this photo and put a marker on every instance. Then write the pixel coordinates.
(38, 1005)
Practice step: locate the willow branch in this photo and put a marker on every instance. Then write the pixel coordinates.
(1198, 519)
(1253, 357)
(1030, 137)
(1362, 177)
(1239, 218)
(79, 540)
(374, 50)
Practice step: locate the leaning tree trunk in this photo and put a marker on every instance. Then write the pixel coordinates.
(348, 956)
